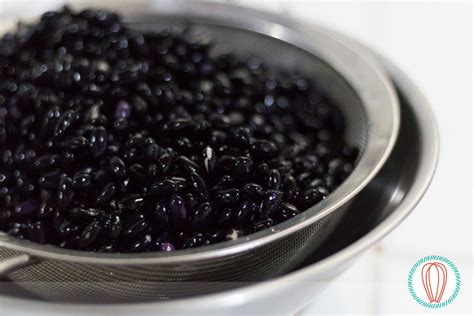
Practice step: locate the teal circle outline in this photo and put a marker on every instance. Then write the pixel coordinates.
(445, 302)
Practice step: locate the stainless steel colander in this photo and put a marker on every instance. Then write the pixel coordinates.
(353, 80)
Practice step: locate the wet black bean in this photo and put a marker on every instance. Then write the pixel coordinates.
(252, 190)
(161, 214)
(229, 196)
(84, 213)
(271, 201)
(90, 233)
(243, 168)
(113, 226)
(98, 141)
(195, 241)
(65, 123)
(118, 140)
(46, 161)
(210, 160)
(163, 188)
(107, 194)
(273, 180)
(187, 164)
(132, 202)
(199, 186)
(260, 225)
(135, 229)
(312, 196)
(287, 211)
(263, 149)
(203, 217)
(246, 211)
(177, 211)
(36, 232)
(82, 181)
(65, 192)
(117, 168)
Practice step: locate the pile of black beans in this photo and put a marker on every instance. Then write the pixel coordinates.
(115, 140)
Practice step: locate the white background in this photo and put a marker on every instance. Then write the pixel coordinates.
(432, 43)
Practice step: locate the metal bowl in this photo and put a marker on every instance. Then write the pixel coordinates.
(345, 74)
(376, 211)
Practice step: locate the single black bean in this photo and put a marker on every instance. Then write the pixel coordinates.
(203, 217)
(65, 192)
(132, 202)
(195, 241)
(273, 180)
(98, 141)
(160, 213)
(117, 168)
(90, 234)
(46, 161)
(263, 224)
(107, 194)
(243, 168)
(199, 186)
(271, 201)
(263, 149)
(252, 190)
(227, 197)
(210, 160)
(177, 211)
(82, 181)
(135, 229)
(246, 211)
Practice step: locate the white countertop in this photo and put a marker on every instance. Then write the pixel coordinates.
(432, 43)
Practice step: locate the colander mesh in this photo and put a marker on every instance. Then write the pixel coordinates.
(75, 282)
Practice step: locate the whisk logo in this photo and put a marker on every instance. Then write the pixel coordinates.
(434, 281)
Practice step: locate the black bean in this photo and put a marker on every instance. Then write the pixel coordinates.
(210, 160)
(264, 149)
(199, 185)
(187, 164)
(98, 141)
(252, 190)
(36, 232)
(229, 196)
(271, 201)
(312, 196)
(195, 241)
(65, 123)
(65, 192)
(84, 213)
(50, 180)
(161, 214)
(243, 168)
(177, 211)
(46, 161)
(113, 226)
(107, 194)
(203, 217)
(260, 225)
(82, 181)
(163, 188)
(117, 168)
(132, 202)
(135, 229)
(287, 211)
(246, 211)
(273, 180)
(90, 233)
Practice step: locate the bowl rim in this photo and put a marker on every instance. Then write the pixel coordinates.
(364, 75)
